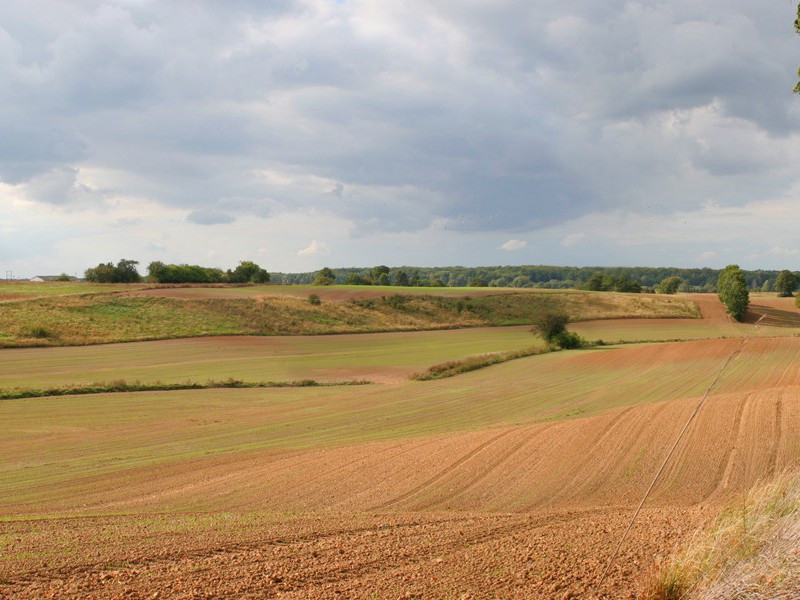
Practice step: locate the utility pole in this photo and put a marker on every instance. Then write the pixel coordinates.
(9, 275)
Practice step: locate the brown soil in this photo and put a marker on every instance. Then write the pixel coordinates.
(558, 554)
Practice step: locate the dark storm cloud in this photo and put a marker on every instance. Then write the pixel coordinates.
(500, 116)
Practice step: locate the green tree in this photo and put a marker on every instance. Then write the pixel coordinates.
(669, 285)
(377, 275)
(355, 279)
(124, 272)
(733, 292)
(325, 276)
(549, 324)
(401, 278)
(478, 282)
(766, 286)
(248, 272)
(797, 29)
(786, 283)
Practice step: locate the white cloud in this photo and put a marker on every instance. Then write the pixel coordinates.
(572, 239)
(514, 245)
(315, 248)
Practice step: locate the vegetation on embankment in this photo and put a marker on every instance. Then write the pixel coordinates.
(104, 318)
(452, 368)
(120, 385)
(749, 551)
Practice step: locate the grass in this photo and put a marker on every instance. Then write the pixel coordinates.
(106, 318)
(324, 358)
(120, 386)
(51, 445)
(749, 551)
(12, 290)
(473, 363)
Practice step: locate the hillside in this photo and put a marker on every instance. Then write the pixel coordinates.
(275, 310)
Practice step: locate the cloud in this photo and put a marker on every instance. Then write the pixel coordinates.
(514, 245)
(315, 248)
(210, 216)
(399, 117)
(572, 239)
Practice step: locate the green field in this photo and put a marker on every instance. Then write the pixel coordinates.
(48, 443)
(324, 358)
(21, 290)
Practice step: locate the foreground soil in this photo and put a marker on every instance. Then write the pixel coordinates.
(557, 554)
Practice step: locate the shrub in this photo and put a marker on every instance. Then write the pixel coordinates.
(396, 301)
(314, 300)
(568, 340)
(41, 333)
(549, 324)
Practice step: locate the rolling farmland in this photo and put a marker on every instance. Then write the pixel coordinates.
(510, 481)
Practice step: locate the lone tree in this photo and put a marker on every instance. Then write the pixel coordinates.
(552, 326)
(733, 291)
(786, 283)
(669, 285)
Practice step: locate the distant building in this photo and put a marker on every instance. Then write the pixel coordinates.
(51, 278)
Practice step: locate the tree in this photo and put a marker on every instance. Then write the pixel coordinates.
(478, 282)
(355, 279)
(552, 326)
(325, 276)
(124, 272)
(401, 278)
(797, 29)
(733, 292)
(549, 324)
(248, 272)
(669, 285)
(766, 286)
(379, 275)
(786, 283)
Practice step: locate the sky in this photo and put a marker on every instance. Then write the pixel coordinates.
(310, 133)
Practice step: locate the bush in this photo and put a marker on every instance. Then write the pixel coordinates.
(41, 333)
(568, 340)
(314, 300)
(396, 301)
(550, 324)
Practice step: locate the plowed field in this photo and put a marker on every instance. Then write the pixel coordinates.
(515, 481)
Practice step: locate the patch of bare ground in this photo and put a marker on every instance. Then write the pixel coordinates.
(555, 554)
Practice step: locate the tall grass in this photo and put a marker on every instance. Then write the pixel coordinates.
(120, 385)
(104, 318)
(752, 550)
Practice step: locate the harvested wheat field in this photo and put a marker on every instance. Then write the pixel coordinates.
(512, 481)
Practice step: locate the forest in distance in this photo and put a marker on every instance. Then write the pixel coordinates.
(538, 276)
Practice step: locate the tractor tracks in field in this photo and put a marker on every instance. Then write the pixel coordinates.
(444, 472)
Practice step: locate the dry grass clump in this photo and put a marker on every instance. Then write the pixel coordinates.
(752, 550)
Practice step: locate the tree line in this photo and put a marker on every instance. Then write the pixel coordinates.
(620, 279)
(125, 271)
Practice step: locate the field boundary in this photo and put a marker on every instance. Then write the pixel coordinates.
(123, 386)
